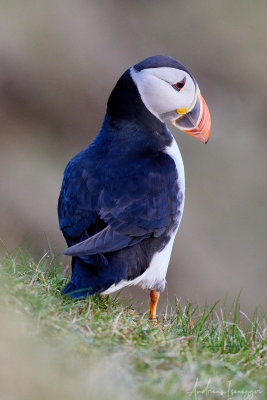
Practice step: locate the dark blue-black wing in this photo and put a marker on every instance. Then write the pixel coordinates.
(133, 209)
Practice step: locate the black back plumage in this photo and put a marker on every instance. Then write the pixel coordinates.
(124, 188)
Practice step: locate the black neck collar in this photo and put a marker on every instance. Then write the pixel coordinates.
(125, 103)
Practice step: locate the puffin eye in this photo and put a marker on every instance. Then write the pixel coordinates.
(179, 85)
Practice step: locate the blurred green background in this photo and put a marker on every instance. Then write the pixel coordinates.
(59, 60)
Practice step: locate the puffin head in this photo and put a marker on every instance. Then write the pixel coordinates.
(170, 92)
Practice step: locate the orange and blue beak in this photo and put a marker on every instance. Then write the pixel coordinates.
(197, 121)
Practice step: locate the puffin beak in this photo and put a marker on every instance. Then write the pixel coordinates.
(197, 121)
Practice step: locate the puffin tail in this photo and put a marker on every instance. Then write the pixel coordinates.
(91, 275)
(79, 286)
(71, 290)
(76, 293)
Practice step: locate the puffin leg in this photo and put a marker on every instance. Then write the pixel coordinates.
(154, 298)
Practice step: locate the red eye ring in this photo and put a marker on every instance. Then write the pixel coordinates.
(179, 85)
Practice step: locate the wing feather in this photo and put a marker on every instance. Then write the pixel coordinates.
(116, 207)
(104, 241)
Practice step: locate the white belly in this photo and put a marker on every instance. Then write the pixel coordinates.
(154, 276)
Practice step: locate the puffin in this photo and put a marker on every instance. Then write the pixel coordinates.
(122, 197)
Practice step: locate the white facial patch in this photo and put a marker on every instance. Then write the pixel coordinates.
(157, 93)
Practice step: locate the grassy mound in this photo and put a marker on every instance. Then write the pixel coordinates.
(55, 347)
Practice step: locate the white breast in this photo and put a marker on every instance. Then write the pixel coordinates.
(155, 274)
(174, 152)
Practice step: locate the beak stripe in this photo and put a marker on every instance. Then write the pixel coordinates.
(200, 129)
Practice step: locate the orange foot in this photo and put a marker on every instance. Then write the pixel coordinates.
(154, 298)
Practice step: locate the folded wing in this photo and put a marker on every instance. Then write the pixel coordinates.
(104, 241)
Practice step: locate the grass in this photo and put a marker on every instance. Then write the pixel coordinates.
(210, 352)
